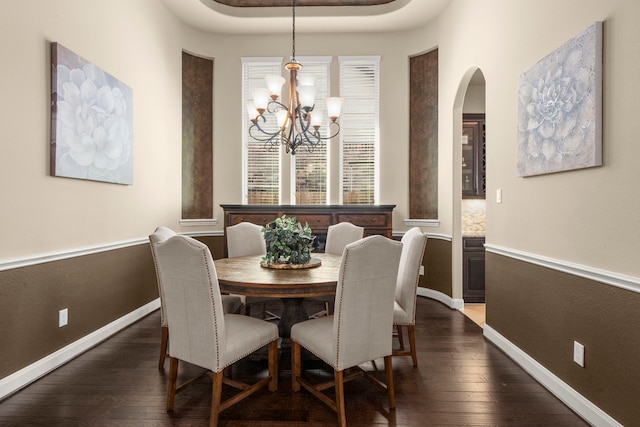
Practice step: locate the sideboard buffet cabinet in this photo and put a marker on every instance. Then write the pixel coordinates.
(376, 219)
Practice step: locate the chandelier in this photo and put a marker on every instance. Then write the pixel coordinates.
(298, 124)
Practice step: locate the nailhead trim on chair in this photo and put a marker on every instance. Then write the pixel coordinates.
(344, 261)
(215, 317)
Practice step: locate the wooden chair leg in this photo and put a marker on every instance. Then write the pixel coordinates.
(400, 336)
(296, 367)
(163, 346)
(339, 385)
(228, 371)
(412, 344)
(273, 366)
(173, 377)
(216, 396)
(391, 391)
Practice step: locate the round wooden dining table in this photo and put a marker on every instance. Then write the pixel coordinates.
(246, 276)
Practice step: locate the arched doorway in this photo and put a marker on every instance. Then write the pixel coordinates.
(469, 197)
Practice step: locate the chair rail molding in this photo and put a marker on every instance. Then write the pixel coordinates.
(35, 259)
(422, 222)
(629, 283)
(203, 222)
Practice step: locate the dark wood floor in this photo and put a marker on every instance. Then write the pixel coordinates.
(462, 380)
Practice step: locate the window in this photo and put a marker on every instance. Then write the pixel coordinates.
(309, 173)
(360, 88)
(261, 164)
(310, 168)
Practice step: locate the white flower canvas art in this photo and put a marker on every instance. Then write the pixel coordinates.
(560, 108)
(91, 121)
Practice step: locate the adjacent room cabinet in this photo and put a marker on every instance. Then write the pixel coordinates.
(474, 162)
(473, 265)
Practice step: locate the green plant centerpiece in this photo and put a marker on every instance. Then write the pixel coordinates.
(289, 243)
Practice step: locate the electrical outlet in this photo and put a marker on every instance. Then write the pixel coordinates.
(578, 353)
(63, 317)
(422, 270)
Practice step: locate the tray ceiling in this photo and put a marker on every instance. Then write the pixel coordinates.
(288, 3)
(325, 16)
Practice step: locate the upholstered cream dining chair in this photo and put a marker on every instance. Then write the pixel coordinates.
(201, 333)
(230, 304)
(360, 329)
(244, 239)
(338, 236)
(404, 312)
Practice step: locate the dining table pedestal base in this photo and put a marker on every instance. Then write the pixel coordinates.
(293, 312)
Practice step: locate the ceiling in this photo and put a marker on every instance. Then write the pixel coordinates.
(338, 16)
(288, 3)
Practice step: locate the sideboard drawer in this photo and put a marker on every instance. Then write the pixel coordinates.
(370, 220)
(322, 221)
(256, 218)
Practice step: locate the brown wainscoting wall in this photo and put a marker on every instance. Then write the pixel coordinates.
(215, 244)
(97, 289)
(542, 311)
(437, 266)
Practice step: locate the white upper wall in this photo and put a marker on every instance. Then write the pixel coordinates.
(138, 42)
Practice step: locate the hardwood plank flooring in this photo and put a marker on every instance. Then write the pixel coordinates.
(462, 380)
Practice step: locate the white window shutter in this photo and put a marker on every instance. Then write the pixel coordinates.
(360, 88)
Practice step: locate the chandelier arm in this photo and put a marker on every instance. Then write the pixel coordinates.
(310, 146)
(274, 106)
(312, 138)
(303, 123)
(262, 133)
(270, 144)
(337, 125)
(263, 136)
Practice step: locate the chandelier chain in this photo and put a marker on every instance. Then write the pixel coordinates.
(293, 38)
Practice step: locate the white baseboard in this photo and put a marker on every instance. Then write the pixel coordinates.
(28, 374)
(583, 407)
(457, 304)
